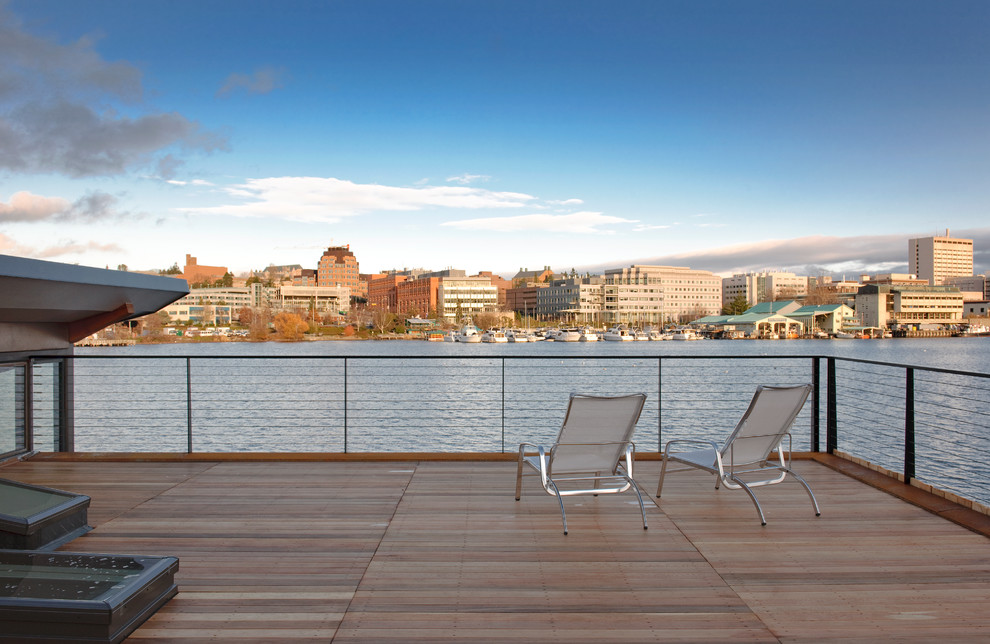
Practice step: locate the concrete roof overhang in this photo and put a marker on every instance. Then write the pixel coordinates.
(72, 302)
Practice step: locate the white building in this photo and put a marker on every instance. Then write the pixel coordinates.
(938, 258)
(767, 286)
(880, 305)
(577, 299)
(221, 305)
(641, 295)
(466, 296)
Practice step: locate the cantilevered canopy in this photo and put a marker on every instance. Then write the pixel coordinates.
(47, 304)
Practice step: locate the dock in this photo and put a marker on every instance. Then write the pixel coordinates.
(435, 551)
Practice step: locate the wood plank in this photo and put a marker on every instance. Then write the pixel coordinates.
(303, 551)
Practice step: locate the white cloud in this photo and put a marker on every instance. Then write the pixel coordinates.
(319, 199)
(27, 207)
(644, 227)
(578, 222)
(10, 246)
(566, 202)
(465, 179)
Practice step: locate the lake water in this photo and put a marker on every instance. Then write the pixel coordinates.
(399, 395)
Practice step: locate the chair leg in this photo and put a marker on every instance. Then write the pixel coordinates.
(663, 472)
(560, 501)
(519, 471)
(807, 488)
(642, 508)
(752, 496)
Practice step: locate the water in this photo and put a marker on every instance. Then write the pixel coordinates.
(302, 397)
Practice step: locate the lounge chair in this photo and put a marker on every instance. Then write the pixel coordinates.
(749, 448)
(594, 447)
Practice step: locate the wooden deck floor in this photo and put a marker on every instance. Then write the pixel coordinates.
(440, 551)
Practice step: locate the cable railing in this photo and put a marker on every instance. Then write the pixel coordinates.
(923, 423)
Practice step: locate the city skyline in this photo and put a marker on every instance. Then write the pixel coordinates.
(727, 137)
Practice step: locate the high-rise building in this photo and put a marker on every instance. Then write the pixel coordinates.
(339, 267)
(767, 286)
(937, 258)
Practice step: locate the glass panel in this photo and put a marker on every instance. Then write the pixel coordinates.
(46, 416)
(11, 408)
(64, 576)
(17, 501)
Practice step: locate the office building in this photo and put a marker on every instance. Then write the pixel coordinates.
(937, 258)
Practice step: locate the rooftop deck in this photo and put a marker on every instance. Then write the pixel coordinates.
(428, 551)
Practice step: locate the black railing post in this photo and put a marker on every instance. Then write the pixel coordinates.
(29, 405)
(503, 405)
(816, 391)
(189, 413)
(909, 425)
(345, 405)
(831, 422)
(66, 406)
(659, 405)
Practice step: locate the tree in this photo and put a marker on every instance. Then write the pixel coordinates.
(254, 279)
(822, 292)
(382, 319)
(121, 267)
(171, 270)
(737, 306)
(290, 326)
(245, 315)
(258, 330)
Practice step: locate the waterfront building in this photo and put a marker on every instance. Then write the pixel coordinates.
(498, 282)
(659, 294)
(972, 284)
(896, 279)
(827, 318)
(523, 299)
(577, 299)
(937, 258)
(339, 267)
(194, 273)
(418, 294)
(314, 300)
(765, 286)
(976, 309)
(217, 304)
(460, 297)
(383, 291)
(881, 305)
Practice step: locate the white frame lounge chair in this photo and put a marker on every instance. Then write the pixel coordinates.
(749, 448)
(594, 446)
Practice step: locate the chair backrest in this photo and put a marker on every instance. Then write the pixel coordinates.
(595, 430)
(770, 415)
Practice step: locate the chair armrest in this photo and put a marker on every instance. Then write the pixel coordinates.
(689, 441)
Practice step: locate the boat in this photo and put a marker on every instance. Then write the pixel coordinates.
(589, 335)
(640, 335)
(973, 330)
(435, 336)
(618, 334)
(450, 336)
(844, 335)
(494, 335)
(515, 335)
(684, 334)
(568, 335)
(469, 333)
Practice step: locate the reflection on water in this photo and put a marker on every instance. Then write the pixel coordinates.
(329, 396)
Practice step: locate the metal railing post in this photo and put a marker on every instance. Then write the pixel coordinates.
(503, 405)
(345, 405)
(816, 391)
(659, 405)
(29, 405)
(189, 414)
(831, 422)
(909, 425)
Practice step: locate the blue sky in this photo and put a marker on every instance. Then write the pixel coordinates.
(727, 136)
